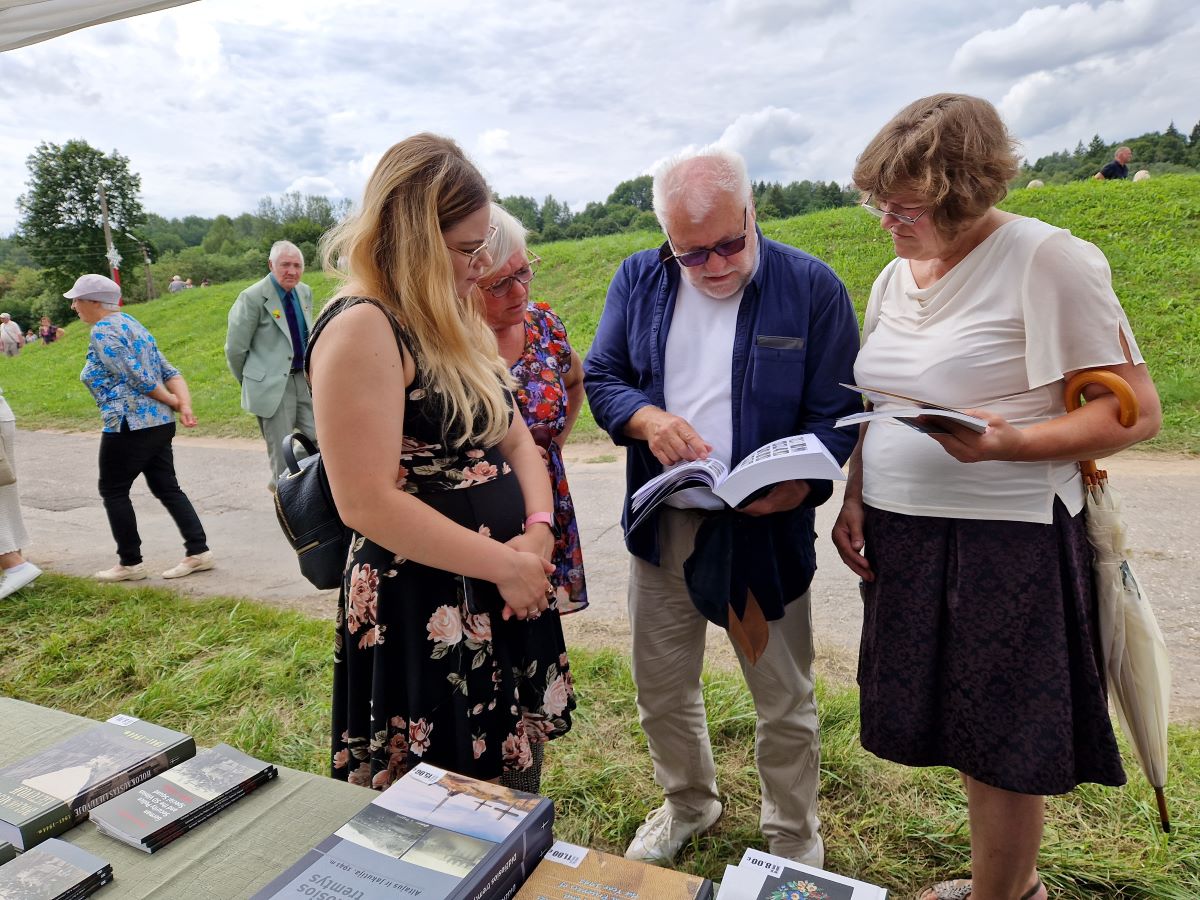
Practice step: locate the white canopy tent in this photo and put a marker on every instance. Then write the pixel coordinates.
(24, 22)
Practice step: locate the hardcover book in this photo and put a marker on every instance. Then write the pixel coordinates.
(801, 456)
(53, 870)
(53, 790)
(169, 805)
(432, 835)
(569, 872)
(7, 852)
(761, 876)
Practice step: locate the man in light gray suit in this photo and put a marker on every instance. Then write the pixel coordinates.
(269, 324)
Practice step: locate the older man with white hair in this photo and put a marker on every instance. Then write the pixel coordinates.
(711, 346)
(12, 338)
(269, 324)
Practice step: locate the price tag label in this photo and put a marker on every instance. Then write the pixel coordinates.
(567, 854)
(427, 774)
(121, 719)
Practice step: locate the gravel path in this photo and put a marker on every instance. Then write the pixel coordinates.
(226, 480)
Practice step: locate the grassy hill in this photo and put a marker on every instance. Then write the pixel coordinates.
(1150, 232)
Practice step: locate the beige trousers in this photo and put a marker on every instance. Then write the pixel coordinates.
(295, 413)
(668, 655)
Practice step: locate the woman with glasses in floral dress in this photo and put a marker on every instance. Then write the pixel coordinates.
(549, 392)
(441, 485)
(979, 647)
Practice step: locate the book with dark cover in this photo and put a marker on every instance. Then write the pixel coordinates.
(569, 871)
(53, 870)
(51, 791)
(156, 812)
(432, 835)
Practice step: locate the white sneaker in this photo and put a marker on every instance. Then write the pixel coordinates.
(123, 573)
(17, 577)
(663, 834)
(200, 563)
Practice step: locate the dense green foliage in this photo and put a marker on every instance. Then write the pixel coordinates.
(1159, 153)
(60, 223)
(1150, 232)
(224, 670)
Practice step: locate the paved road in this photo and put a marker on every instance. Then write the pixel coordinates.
(226, 480)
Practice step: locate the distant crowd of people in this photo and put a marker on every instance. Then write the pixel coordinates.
(441, 397)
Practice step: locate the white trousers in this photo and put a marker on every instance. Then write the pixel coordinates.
(668, 655)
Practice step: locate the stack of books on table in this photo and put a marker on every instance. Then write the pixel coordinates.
(761, 876)
(569, 872)
(52, 870)
(170, 805)
(432, 835)
(49, 792)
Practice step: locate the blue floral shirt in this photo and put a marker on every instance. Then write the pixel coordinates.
(123, 365)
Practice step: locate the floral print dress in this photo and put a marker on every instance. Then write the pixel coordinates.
(542, 399)
(418, 676)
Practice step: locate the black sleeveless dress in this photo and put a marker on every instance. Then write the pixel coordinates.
(417, 676)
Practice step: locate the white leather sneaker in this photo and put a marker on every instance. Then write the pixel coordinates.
(123, 573)
(199, 563)
(663, 834)
(17, 577)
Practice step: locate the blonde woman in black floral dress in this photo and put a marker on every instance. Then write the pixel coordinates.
(442, 486)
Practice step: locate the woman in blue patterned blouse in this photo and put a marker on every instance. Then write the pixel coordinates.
(138, 392)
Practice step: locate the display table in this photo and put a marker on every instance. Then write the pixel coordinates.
(232, 855)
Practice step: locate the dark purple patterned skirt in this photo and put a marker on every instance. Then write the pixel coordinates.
(980, 651)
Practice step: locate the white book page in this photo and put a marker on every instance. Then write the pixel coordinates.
(800, 456)
(708, 472)
(909, 413)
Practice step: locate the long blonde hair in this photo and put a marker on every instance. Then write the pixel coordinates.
(392, 250)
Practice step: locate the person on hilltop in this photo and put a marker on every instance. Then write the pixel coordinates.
(48, 331)
(176, 285)
(269, 324)
(1118, 168)
(139, 393)
(443, 651)
(711, 346)
(980, 646)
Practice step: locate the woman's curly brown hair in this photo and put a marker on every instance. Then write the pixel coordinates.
(952, 149)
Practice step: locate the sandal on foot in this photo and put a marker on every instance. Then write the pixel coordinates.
(960, 889)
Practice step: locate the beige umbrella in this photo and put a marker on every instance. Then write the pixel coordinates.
(1135, 655)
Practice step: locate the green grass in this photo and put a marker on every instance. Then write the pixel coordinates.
(260, 679)
(1150, 232)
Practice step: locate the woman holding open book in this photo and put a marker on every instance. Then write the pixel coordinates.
(441, 485)
(979, 636)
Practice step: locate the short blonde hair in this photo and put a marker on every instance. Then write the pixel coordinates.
(394, 252)
(509, 238)
(952, 149)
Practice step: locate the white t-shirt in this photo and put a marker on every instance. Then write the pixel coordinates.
(698, 377)
(997, 332)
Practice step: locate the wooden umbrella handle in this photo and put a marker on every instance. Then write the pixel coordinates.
(1127, 414)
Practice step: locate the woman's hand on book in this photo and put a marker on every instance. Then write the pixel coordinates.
(786, 495)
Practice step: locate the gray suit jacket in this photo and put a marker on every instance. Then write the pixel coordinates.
(258, 345)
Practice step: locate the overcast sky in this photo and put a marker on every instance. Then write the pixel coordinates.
(221, 102)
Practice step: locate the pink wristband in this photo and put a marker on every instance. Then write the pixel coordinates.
(544, 517)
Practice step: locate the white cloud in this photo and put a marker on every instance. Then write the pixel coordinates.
(772, 140)
(1048, 37)
(495, 142)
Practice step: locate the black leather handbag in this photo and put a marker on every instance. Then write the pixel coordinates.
(306, 512)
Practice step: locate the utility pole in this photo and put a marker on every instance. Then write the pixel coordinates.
(114, 258)
(146, 260)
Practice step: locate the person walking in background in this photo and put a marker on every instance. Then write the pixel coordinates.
(1118, 168)
(138, 393)
(442, 486)
(176, 285)
(549, 378)
(713, 345)
(12, 338)
(979, 647)
(269, 324)
(17, 570)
